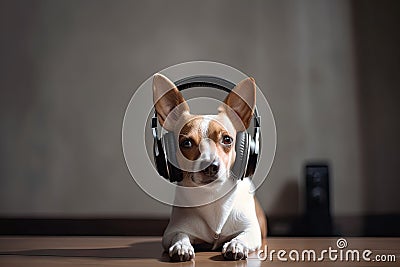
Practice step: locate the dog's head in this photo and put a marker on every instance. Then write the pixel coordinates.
(206, 142)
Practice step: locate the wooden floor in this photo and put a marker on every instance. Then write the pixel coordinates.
(147, 251)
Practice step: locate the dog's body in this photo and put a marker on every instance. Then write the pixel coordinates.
(235, 221)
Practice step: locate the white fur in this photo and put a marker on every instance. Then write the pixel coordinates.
(233, 214)
(231, 220)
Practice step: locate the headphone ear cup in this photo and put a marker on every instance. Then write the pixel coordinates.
(242, 154)
(253, 158)
(254, 152)
(175, 174)
(159, 158)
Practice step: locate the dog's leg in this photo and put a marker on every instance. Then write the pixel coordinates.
(181, 249)
(262, 220)
(238, 248)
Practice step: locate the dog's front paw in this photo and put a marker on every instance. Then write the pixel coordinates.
(235, 250)
(181, 251)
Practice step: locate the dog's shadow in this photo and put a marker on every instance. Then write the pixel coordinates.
(141, 250)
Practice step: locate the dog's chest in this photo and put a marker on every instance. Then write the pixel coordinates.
(226, 217)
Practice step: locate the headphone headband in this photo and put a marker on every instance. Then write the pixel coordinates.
(205, 81)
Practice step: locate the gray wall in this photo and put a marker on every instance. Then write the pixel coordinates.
(378, 64)
(69, 68)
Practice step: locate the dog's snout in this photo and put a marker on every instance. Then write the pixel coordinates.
(212, 169)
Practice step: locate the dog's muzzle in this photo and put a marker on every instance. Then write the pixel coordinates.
(211, 170)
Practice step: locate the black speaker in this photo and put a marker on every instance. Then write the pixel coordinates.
(318, 212)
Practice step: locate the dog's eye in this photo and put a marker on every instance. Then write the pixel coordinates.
(187, 143)
(227, 140)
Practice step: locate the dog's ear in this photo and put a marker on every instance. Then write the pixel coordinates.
(240, 103)
(168, 101)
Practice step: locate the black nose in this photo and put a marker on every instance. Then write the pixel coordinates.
(212, 169)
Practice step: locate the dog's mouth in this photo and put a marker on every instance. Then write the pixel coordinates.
(201, 179)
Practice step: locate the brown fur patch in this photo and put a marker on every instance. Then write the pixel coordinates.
(262, 220)
(216, 132)
(193, 132)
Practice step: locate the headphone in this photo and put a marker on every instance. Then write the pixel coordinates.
(247, 146)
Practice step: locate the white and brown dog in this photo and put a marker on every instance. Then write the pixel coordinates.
(236, 221)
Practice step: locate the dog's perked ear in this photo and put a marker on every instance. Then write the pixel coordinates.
(241, 102)
(168, 101)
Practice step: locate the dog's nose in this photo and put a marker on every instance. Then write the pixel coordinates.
(212, 169)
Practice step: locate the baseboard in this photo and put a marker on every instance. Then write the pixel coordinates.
(83, 226)
(368, 225)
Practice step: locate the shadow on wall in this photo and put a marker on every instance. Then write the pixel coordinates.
(377, 43)
(279, 223)
(287, 198)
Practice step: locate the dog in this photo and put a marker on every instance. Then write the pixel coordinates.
(236, 222)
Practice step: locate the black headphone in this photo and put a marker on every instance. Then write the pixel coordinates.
(247, 146)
